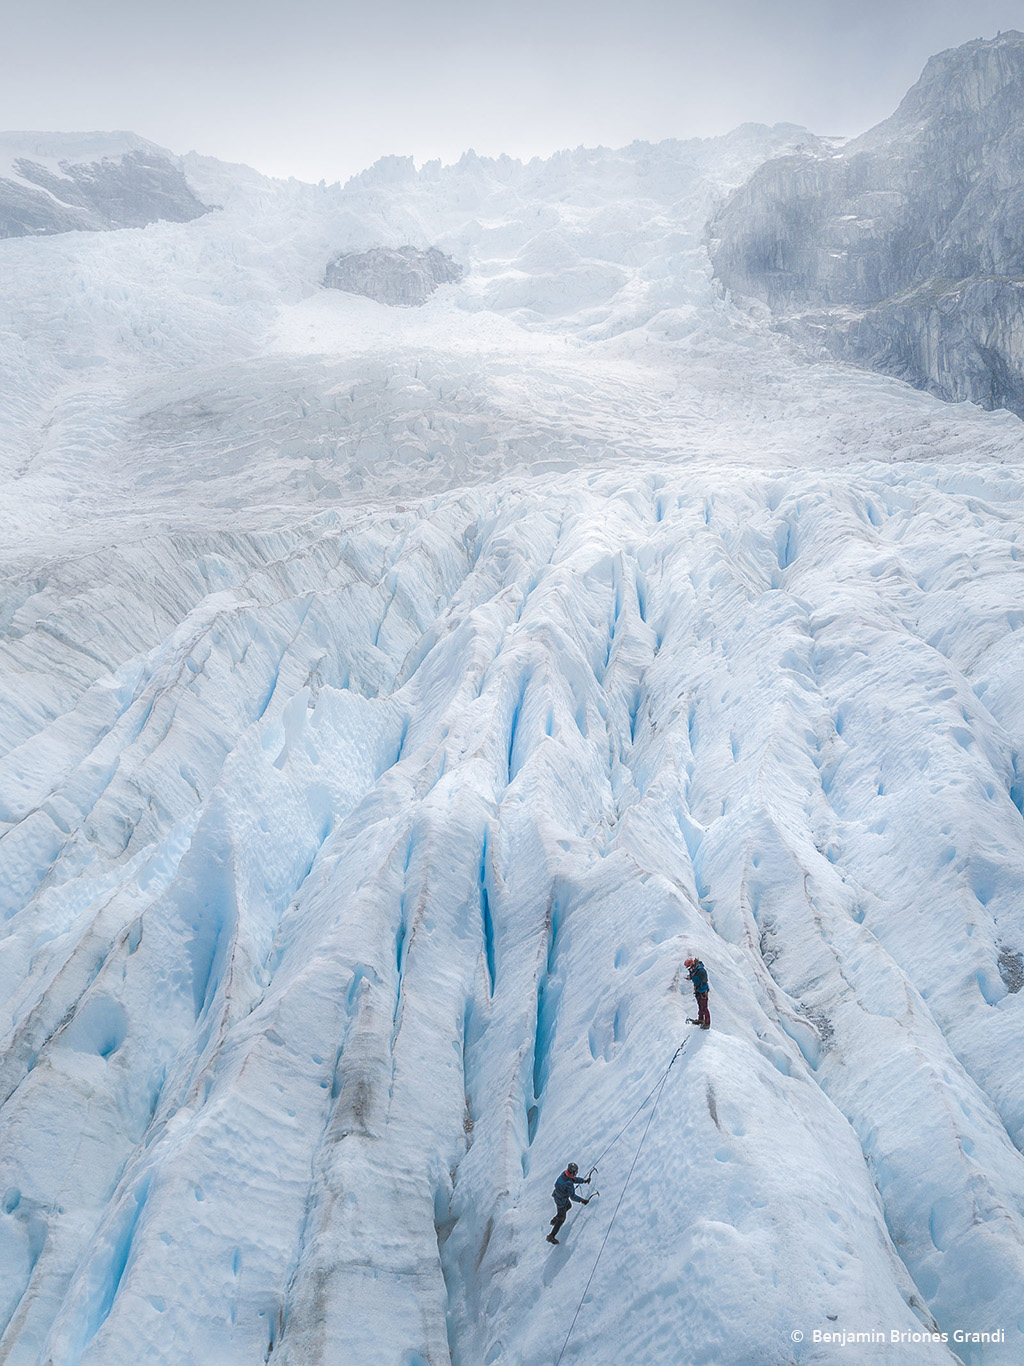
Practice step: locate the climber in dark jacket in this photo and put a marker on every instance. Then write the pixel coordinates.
(698, 975)
(563, 1194)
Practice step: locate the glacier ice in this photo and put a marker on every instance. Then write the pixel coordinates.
(391, 699)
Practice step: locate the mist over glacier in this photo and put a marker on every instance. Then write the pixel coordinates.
(392, 698)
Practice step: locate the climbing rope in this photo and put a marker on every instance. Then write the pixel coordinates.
(659, 1088)
(633, 1116)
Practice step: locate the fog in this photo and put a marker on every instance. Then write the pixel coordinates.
(319, 90)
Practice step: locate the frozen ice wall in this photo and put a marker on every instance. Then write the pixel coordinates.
(390, 701)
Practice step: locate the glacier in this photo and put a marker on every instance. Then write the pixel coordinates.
(392, 698)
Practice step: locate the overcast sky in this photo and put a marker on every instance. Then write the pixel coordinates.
(319, 90)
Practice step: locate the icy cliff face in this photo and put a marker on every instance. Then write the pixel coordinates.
(391, 699)
(400, 277)
(903, 250)
(52, 183)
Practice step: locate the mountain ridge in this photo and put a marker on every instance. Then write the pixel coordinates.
(899, 251)
(53, 183)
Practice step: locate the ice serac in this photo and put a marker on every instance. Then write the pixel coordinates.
(54, 183)
(902, 250)
(350, 907)
(399, 276)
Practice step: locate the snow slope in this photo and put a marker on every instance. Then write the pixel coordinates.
(64, 182)
(392, 699)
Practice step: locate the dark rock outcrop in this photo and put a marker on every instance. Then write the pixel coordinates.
(903, 251)
(400, 276)
(127, 191)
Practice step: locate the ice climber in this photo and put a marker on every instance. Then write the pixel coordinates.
(563, 1195)
(698, 975)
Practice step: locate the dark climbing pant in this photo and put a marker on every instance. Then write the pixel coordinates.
(559, 1219)
(703, 1014)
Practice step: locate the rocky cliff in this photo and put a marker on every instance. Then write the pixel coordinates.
(903, 250)
(52, 183)
(399, 276)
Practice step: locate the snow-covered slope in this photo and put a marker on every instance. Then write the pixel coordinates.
(66, 182)
(391, 699)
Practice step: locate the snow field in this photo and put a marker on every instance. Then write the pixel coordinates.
(445, 797)
(145, 369)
